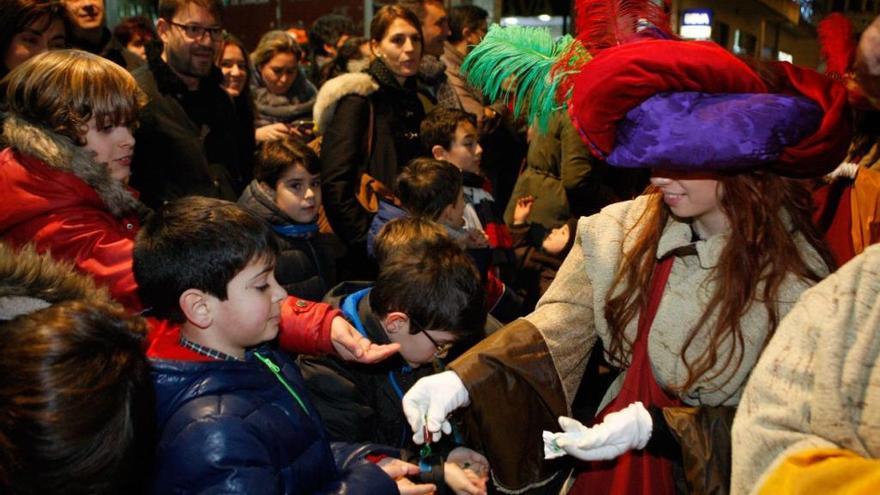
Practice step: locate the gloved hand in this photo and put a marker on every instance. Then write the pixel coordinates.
(621, 431)
(430, 400)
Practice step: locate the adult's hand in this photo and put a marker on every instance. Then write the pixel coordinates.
(428, 403)
(272, 132)
(621, 431)
(352, 346)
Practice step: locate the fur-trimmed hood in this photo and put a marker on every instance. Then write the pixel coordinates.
(59, 152)
(333, 90)
(31, 281)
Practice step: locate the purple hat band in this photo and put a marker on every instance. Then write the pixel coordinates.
(701, 131)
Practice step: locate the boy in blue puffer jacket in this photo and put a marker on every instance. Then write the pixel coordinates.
(232, 411)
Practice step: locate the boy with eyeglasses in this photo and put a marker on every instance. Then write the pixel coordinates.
(191, 141)
(427, 298)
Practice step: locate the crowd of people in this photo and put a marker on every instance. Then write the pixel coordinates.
(346, 264)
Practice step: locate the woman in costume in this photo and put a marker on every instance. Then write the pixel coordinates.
(682, 286)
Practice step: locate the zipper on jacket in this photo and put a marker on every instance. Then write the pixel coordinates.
(277, 372)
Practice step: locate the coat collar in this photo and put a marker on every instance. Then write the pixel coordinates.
(678, 237)
(60, 153)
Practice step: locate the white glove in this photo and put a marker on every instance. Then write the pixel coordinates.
(621, 431)
(430, 400)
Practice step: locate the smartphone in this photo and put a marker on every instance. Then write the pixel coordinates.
(303, 126)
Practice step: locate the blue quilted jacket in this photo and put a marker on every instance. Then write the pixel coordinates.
(233, 427)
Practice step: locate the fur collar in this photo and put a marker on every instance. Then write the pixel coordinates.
(31, 281)
(60, 153)
(333, 90)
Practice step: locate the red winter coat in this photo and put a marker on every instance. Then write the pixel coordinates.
(49, 196)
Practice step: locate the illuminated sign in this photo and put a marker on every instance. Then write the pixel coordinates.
(696, 24)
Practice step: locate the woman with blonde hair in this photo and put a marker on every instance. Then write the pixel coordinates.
(64, 174)
(282, 93)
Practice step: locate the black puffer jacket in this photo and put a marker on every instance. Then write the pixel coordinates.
(362, 403)
(343, 114)
(306, 265)
(188, 142)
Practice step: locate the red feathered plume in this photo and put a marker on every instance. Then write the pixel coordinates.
(602, 24)
(836, 44)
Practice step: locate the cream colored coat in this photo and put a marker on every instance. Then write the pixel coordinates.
(818, 383)
(570, 316)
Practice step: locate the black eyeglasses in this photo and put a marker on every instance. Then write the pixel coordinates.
(196, 32)
(440, 350)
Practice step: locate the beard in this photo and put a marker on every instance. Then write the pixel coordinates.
(183, 61)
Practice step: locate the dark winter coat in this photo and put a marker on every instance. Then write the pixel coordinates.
(306, 262)
(188, 142)
(233, 427)
(110, 48)
(342, 114)
(362, 403)
(566, 181)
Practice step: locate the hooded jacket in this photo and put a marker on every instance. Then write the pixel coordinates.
(54, 195)
(306, 263)
(342, 114)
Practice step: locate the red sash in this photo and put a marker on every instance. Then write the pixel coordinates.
(636, 471)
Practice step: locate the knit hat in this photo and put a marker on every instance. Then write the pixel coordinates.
(641, 98)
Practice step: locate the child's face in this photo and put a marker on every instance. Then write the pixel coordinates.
(465, 151)
(555, 242)
(418, 348)
(252, 310)
(453, 215)
(298, 194)
(113, 145)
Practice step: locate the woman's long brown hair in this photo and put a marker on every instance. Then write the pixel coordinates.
(760, 252)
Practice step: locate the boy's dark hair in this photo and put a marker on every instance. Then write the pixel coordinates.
(427, 186)
(438, 127)
(435, 284)
(196, 243)
(327, 29)
(400, 234)
(77, 412)
(465, 16)
(274, 158)
(167, 8)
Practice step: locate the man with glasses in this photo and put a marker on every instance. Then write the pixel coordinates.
(427, 297)
(190, 141)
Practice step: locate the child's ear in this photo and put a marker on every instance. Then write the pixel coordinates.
(438, 152)
(196, 307)
(396, 322)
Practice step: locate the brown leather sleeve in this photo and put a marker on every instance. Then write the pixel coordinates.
(704, 436)
(515, 393)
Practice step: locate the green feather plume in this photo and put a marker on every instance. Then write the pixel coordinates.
(525, 62)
